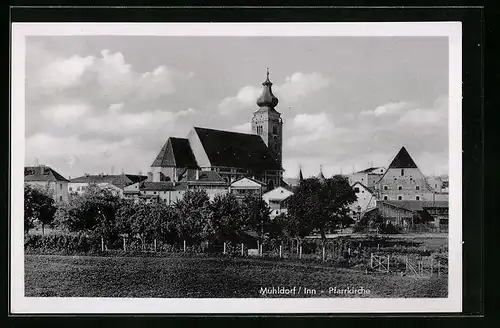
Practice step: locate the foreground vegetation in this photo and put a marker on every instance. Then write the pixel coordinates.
(199, 276)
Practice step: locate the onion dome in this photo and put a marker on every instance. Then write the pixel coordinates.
(267, 99)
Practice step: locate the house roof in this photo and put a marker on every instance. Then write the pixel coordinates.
(370, 189)
(42, 173)
(175, 153)
(119, 180)
(208, 177)
(157, 186)
(416, 205)
(248, 178)
(239, 150)
(369, 170)
(291, 181)
(403, 160)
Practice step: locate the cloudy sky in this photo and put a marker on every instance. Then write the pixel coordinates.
(106, 103)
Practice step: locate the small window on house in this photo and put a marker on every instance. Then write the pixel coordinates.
(400, 188)
(417, 198)
(70, 188)
(356, 190)
(386, 188)
(417, 187)
(385, 197)
(60, 186)
(60, 198)
(402, 172)
(400, 197)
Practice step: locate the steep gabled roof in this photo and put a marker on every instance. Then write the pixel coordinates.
(240, 150)
(42, 173)
(369, 170)
(175, 153)
(403, 160)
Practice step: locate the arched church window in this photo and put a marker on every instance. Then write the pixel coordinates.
(270, 185)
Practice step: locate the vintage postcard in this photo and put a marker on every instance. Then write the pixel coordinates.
(236, 168)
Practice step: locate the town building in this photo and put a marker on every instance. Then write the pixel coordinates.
(277, 200)
(367, 177)
(403, 180)
(232, 155)
(403, 213)
(115, 183)
(365, 200)
(48, 179)
(247, 186)
(170, 192)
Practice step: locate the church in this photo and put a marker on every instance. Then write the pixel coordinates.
(230, 155)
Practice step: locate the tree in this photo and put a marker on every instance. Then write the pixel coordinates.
(38, 206)
(226, 221)
(320, 205)
(193, 216)
(256, 214)
(94, 211)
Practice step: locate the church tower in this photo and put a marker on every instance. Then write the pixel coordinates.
(267, 122)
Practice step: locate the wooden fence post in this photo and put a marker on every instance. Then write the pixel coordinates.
(102, 244)
(371, 260)
(224, 251)
(155, 244)
(378, 247)
(439, 268)
(432, 266)
(323, 253)
(300, 252)
(258, 247)
(241, 249)
(261, 253)
(124, 245)
(388, 262)
(184, 246)
(280, 250)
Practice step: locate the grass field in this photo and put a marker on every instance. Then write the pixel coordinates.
(200, 277)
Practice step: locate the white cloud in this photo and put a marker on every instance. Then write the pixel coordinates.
(243, 128)
(391, 108)
(300, 85)
(64, 73)
(116, 108)
(307, 128)
(295, 88)
(437, 115)
(64, 114)
(109, 74)
(245, 98)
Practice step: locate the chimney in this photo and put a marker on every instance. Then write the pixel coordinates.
(150, 177)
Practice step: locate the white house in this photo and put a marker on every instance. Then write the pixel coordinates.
(366, 200)
(246, 186)
(47, 178)
(277, 200)
(116, 183)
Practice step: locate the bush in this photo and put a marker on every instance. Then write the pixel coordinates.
(61, 244)
(388, 228)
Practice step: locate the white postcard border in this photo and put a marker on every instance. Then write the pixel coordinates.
(54, 305)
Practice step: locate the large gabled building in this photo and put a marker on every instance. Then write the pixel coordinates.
(256, 155)
(403, 180)
(48, 179)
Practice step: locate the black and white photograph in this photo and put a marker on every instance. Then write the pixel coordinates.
(236, 168)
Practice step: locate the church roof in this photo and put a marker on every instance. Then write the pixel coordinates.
(175, 153)
(240, 150)
(403, 160)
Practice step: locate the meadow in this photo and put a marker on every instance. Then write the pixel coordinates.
(205, 276)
